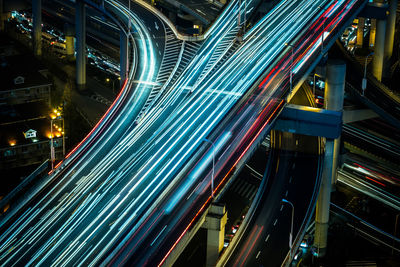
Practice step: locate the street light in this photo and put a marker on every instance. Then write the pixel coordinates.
(56, 116)
(291, 63)
(52, 156)
(113, 81)
(364, 80)
(291, 228)
(213, 168)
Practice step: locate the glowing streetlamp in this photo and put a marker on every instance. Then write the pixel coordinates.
(113, 81)
(56, 116)
(291, 228)
(364, 80)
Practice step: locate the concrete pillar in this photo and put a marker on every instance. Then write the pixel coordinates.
(360, 32)
(70, 46)
(1, 16)
(379, 50)
(334, 85)
(69, 41)
(334, 93)
(215, 224)
(389, 36)
(123, 56)
(37, 27)
(80, 28)
(372, 33)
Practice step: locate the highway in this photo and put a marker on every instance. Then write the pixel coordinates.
(376, 96)
(83, 192)
(130, 191)
(293, 175)
(53, 205)
(374, 143)
(238, 142)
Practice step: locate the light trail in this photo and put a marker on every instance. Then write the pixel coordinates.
(110, 199)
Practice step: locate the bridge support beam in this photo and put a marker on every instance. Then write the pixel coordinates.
(389, 36)
(37, 27)
(215, 224)
(123, 56)
(309, 121)
(379, 50)
(334, 92)
(80, 28)
(350, 116)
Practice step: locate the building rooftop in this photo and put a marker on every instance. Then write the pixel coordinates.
(18, 119)
(21, 71)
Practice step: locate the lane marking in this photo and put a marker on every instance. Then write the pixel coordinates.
(258, 254)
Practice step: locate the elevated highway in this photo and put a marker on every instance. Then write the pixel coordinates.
(377, 96)
(135, 185)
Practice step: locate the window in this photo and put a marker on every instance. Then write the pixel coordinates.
(9, 153)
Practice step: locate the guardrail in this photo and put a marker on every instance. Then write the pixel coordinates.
(367, 230)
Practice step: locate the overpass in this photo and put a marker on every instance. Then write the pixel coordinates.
(107, 168)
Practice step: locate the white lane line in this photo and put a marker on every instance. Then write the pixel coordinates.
(158, 235)
(258, 254)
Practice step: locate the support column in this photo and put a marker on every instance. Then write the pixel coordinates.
(69, 41)
(360, 32)
(80, 28)
(334, 93)
(123, 56)
(372, 33)
(379, 50)
(389, 36)
(1, 16)
(215, 224)
(37, 27)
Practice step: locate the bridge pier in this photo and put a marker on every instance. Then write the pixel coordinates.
(37, 27)
(215, 224)
(379, 50)
(360, 32)
(80, 28)
(389, 37)
(69, 41)
(334, 93)
(1, 16)
(123, 56)
(372, 33)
